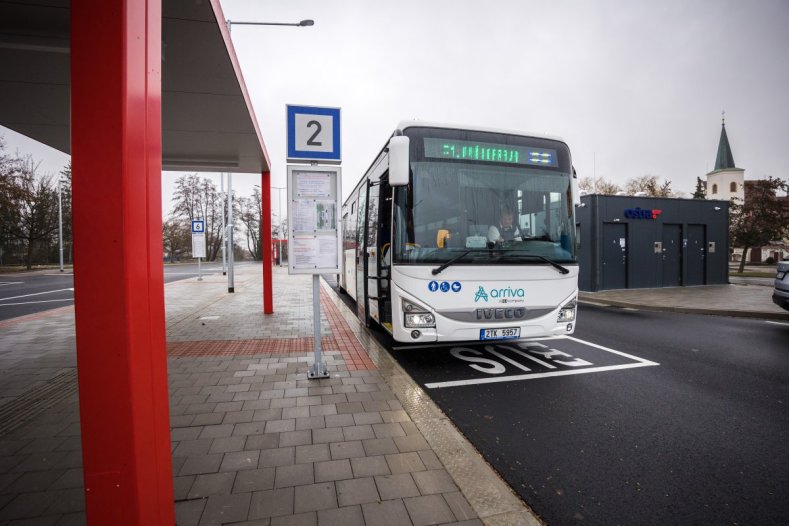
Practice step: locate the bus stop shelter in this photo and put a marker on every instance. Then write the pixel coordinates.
(128, 88)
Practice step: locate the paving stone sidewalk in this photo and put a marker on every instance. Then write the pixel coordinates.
(253, 440)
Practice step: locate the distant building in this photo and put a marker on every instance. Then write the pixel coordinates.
(726, 181)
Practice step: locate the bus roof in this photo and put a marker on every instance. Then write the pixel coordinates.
(403, 125)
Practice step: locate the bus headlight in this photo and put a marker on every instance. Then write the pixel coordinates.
(417, 316)
(423, 319)
(567, 312)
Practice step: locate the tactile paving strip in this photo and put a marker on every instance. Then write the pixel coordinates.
(24, 408)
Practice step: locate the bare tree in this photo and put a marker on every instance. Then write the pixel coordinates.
(29, 209)
(250, 212)
(649, 184)
(197, 198)
(600, 186)
(175, 238)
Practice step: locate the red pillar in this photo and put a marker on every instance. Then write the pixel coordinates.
(118, 277)
(265, 240)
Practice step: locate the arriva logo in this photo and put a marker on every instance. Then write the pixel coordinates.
(506, 292)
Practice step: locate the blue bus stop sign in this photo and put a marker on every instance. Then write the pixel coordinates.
(313, 134)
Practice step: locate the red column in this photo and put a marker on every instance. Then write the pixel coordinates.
(118, 277)
(265, 240)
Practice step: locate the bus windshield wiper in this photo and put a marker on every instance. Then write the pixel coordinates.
(563, 270)
(452, 261)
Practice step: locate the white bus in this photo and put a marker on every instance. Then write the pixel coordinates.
(429, 253)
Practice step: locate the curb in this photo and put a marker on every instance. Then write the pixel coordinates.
(684, 310)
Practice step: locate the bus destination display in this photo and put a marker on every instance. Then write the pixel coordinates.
(489, 152)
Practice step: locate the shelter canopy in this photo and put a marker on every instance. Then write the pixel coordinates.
(208, 123)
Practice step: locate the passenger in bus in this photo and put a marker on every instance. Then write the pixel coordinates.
(507, 229)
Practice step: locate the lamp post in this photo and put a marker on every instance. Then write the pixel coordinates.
(303, 23)
(223, 235)
(60, 220)
(279, 209)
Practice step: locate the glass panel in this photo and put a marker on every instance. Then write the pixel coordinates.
(454, 207)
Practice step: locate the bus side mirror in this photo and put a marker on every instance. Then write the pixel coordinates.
(399, 167)
(576, 191)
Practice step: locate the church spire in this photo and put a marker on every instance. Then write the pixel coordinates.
(725, 159)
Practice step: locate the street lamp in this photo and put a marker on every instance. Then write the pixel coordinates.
(60, 220)
(303, 23)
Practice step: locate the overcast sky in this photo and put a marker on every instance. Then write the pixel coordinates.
(634, 88)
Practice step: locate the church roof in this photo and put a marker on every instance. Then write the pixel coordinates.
(725, 159)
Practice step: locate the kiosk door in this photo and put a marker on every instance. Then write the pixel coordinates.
(614, 256)
(672, 255)
(696, 255)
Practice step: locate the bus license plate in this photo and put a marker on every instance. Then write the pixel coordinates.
(500, 334)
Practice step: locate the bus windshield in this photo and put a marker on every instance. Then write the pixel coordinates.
(454, 207)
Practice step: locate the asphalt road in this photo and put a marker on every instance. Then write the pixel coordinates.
(641, 418)
(31, 292)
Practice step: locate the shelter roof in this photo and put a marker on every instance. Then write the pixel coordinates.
(208, 123)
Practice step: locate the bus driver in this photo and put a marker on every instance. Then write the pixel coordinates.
(507, 230)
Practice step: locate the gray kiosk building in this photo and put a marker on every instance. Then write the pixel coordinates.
(645, 242)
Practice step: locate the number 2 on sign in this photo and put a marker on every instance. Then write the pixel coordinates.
(311, 141)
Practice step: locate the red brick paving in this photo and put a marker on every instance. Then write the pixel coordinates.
(342, 339)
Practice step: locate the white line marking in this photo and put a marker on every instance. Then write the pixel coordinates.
(32, 302)
(777, 322)
(36, 294)
(11, 282)
(535, 376)
(641, 362)
(620, 353)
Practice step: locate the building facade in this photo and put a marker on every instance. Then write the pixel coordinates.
(644, 242)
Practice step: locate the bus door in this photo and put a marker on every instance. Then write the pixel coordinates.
(361, 260)
(372, 251)
(385, 253)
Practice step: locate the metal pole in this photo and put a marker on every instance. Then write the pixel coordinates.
(199, 270)
(281, 231)
(317, 369)
(224, 238)
(230, 256)
(60, 222)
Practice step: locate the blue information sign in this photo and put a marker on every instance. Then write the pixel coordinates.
(313, 134)
(198, 227)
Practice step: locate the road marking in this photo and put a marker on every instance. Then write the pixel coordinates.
(32, 302)
(36, 294)
(608, 349)
(11, 283)
(640, 362)
(777, 323)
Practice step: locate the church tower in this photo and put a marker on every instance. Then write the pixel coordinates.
(726, 181)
